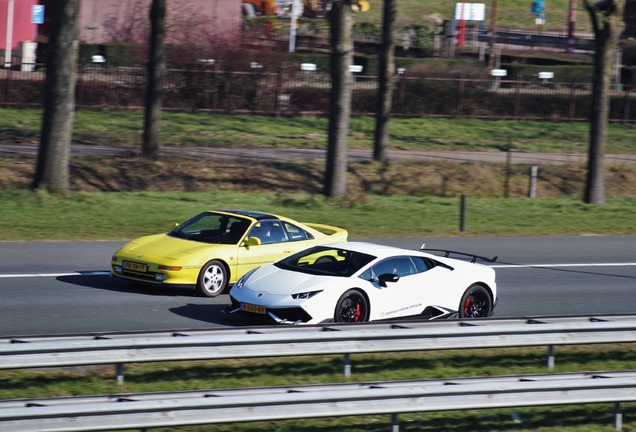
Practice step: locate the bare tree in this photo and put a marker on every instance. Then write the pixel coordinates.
(607, 22)
(156, 76)
(52, 172)
(385, 83)
(340, 23)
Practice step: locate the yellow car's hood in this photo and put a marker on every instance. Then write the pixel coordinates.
(165, 246)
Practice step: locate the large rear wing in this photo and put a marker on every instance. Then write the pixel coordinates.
(473, 257)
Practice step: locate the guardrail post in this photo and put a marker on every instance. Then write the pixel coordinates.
(347, 365)
(618, 417)
(120, 373)
(395, 426)
(532, 192)
(550, 357)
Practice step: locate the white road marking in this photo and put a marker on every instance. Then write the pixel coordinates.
(105, 273)
(26, 275)
(563, 265)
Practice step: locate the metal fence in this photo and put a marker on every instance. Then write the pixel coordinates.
(129, 411)
(292, 92)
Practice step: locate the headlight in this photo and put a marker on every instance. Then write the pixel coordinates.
(305, 295)
(244, 279)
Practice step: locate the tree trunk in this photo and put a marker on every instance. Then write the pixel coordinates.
(52, 172)
(385, 83)
(608, 26)
(156, 76)
(340, 105)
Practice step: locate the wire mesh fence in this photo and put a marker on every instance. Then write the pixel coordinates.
(290, 91)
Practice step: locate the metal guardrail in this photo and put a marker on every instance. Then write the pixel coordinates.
(129, 411)
(277, 341)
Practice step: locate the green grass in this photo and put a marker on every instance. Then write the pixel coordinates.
(218, 130)
(510, 13)
(88, 216)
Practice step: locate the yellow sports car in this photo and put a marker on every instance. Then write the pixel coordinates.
(215, 248)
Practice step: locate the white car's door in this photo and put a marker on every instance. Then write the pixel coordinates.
(419, 285)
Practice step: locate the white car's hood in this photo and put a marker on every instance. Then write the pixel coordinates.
(272, 280)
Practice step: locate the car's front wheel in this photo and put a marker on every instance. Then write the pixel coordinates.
(352, 307)
(212, 279)
(475, 303)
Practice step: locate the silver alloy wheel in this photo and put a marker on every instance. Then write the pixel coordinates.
(212, 280)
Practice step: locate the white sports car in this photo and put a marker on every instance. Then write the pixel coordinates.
(357, 282)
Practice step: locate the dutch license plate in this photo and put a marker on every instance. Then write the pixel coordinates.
(253, 308)
(135, 266)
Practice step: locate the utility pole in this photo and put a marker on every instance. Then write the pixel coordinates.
(462, 25)
(493, 35)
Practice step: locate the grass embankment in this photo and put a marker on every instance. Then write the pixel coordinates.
(91, 216)
(218, 130)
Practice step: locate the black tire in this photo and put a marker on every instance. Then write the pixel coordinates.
(212, 279)
(352, 307)
(475, 303)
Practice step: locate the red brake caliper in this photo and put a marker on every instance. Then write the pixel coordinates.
(466, 306)
(356, 316)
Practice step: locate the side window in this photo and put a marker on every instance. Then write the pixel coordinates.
(269, 232)
(294, 233)
(422, 264)
(401, 266)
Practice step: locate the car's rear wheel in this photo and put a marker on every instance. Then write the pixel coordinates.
(212, 279)
(475, 303)
(352, 307)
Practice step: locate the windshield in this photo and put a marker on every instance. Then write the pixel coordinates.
(212, 227)
(323, 260)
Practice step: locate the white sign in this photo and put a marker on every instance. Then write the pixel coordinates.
(498, 72)
(470, 11)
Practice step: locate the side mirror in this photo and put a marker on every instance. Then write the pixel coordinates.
(387, 277)
(252, 241)
(176, 225)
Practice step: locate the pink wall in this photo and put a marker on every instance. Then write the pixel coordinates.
(99, 18)
(23, 30)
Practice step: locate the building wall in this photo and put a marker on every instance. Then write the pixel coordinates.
(23, 30)
(218, 18)
(101, 19)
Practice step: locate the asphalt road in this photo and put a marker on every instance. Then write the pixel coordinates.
(517, 157)
(64, 288)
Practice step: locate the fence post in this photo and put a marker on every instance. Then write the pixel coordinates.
(508, 163)
(626, 91)
(618, 416)
(279, 89)
(572, 101)
(215, 86)
(120, 373)
(462, 213)
(79, 85)
(347, 365)
(460, 95)
(401, 93)
(395, 425)
(532, 193)
(550, 357)
(517, 98)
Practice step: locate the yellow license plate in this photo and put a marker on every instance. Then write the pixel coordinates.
(253, 308)
(135, 266)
